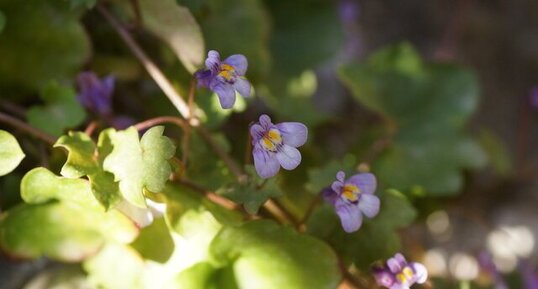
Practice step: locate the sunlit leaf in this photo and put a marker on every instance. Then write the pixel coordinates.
(175, 25)
(139, 164)
(11, 153)
(149, 249)
(271, 256)
(61, 110)
(85, 159)
(116, 266)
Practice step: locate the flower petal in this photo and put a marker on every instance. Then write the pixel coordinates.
(256, 132)
(203, 77)
(265, 162)
(239, 63)
(337, 186)
(213, 61)
(350, 215)
(226, 94)
(293, 133)
(383, 277)
(288, 157)
(242, 86)
(399, 286)
(369, 205)
(365, 181)
(329, 195)
(421, 274)
(108, 84)
(265, 121)
(341, 176)
(394, 265)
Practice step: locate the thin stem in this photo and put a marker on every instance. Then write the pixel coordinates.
(278, 210)
(91, 127)
(27, 128)
(215, 198)
(149, 65)
(181, 123)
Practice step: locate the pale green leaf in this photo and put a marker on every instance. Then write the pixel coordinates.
(11, 153)
(175, 25)
(145, 243)
(139, 164)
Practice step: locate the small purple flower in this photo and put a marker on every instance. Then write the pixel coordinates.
(529, 274)
(275, 145)
(486, 264)
(225, 77)
(353, 197)
(398, 274)
(96, 94)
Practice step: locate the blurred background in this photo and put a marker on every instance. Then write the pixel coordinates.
(476, 228)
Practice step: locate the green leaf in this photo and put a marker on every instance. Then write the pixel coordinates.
(175, 25)
(429, 104)
(147, 247)
(116, 266)
(271, 256)
(376, 239)
(252, 194)
(41, 185)
(61, 110)
(35, 49)
(139, 164)
(85, 159)
(199, 276)
(11, 153)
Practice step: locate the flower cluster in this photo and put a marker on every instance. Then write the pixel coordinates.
(353, 197)
(399, 274)
(225, 77)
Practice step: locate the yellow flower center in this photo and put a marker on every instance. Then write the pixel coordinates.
(351, 192)
(405, 275)
(227, 72)
(271, 140)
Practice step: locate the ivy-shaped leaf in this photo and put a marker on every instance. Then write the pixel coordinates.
(252, 194)
(376, 239)
(146, 246)
(139, 164)
(429, 104)
(175, 25)
(11, 153)
(61, 110)
(86, 159)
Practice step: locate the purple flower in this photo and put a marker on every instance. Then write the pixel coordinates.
(486, 264)
(225, 77)
(529, 274)
(398, 274)
(353, 197)
(96, 94)
(275, 145)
